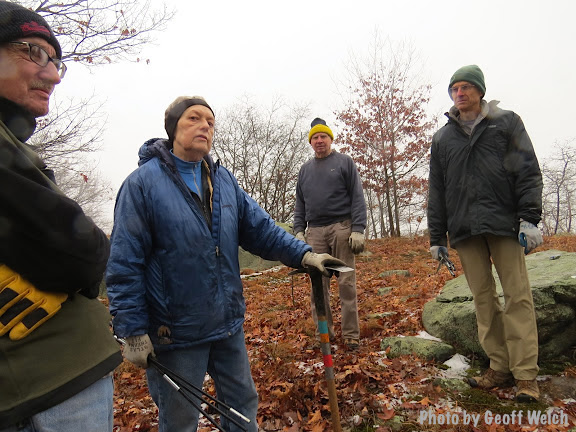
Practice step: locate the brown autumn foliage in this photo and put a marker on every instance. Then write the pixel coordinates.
(371, 388)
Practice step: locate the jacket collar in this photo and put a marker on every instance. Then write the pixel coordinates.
(487, 108)
(160, 148)
(20, 122)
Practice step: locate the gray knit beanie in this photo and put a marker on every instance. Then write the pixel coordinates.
(18, 22)
(471, 74)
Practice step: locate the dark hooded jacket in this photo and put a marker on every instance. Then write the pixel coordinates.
(173, 270)
(485, 182)
(47, 239)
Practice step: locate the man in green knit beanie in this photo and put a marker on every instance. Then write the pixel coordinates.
(485, 195)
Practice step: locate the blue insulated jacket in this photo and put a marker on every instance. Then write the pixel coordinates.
(169, 274)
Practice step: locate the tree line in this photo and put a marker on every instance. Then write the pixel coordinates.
(384, 125)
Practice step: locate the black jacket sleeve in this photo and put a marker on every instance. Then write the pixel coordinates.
(45, 236)
(521, 161)
(436, 212)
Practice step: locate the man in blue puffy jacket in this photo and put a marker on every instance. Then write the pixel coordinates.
(173, 276)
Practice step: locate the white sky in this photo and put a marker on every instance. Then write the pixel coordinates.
(225, 49)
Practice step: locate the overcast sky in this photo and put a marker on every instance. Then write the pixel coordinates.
(298, 50)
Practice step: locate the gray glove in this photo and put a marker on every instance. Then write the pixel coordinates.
(318, 261)
(435, 251)
(300, 236)
(356, 242)
(137, 350)
(529, 236)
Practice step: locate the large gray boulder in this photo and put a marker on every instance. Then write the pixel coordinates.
(451, 315)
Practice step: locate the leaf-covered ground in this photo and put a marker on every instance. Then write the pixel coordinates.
(374, 393)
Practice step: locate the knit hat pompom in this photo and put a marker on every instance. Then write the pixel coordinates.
(177, 108)
(472, 74)
(318, 125)
(17, 22)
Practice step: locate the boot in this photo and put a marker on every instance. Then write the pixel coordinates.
(490, 379)
(527, 391)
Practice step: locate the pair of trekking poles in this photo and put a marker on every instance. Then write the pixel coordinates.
(196, 396)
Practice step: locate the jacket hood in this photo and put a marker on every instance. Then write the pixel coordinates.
(154, 147)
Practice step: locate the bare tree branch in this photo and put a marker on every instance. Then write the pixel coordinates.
(92, 32)
(264, 150)
(559, 195)
(98, 32)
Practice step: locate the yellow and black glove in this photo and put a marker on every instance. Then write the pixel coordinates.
(23, 307)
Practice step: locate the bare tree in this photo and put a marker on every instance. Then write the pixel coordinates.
(559, 195)
(387, 131)
(71, 131)
(264, 150)
(65, 140)
(86, 186)
(92, 33)
(102, 31)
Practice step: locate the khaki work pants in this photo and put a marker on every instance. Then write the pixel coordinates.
(333, 239)
(508, 334)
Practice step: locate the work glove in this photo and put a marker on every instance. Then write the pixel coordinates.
(300, 236)
(23, 307)
(137, 350)
(318, 261)
(356, 242)
(529, 236)
(436, 251)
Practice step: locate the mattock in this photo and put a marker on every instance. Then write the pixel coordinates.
(318, 293)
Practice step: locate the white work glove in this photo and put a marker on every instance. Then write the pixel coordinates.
(356, 242)
(318, 261)
(137, 350)
(300, 236)
(435, 251)
(529, 236)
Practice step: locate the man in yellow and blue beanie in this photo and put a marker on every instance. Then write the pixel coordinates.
(330, 209)
(318, 125)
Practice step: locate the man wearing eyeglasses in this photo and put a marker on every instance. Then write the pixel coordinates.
(56, 348)
(486, 196)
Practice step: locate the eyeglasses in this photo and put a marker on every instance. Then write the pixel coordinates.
(39, 56)
(464, 88)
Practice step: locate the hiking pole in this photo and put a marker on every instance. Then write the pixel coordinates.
(443, 260)
(180, 385)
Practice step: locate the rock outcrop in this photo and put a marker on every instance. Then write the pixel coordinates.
(451, 315)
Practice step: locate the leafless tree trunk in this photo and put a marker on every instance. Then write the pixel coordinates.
(265, 151)
(559, 176)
